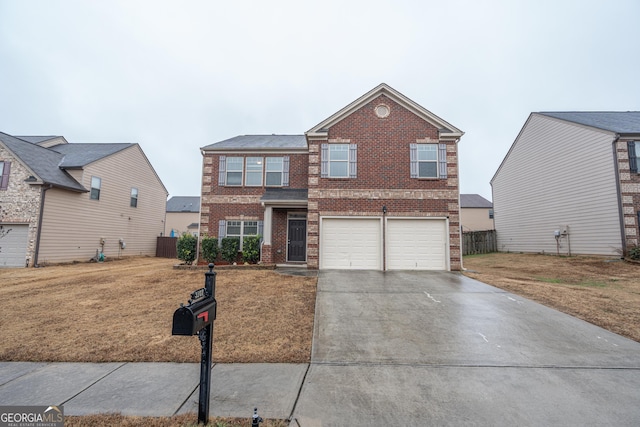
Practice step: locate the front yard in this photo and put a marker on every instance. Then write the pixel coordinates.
(122, 311)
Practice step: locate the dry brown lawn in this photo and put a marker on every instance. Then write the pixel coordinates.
(122, 311)
(602, 291)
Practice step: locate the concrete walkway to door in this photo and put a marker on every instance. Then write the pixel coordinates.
(437, 348)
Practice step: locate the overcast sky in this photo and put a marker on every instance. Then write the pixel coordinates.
(176, 76)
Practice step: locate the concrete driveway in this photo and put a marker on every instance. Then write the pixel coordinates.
(438, 348)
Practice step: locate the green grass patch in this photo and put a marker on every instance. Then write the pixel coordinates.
(589, 284)
(548, 280)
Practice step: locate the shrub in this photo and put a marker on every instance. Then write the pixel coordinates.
(209, 247)
(251, 249)
(186, 247)
(230, 248)
(634, 252)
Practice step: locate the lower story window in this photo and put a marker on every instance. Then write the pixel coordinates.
(240, 229)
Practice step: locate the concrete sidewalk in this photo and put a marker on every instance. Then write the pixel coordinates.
(153, 389)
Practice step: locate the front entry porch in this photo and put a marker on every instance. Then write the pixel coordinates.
(285, 227)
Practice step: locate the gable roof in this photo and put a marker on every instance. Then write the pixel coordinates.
(474, 201)
(447, 130)
(259, 142)
(43, 162)
(622, 122)
(79, 155)
(184, 204)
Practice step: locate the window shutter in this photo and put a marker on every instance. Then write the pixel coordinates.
(442, 160)
(222, 175)
(633, 159)
(285, 171)
(4, 179)
(324, 161)
(353, 161)
(222, 231)
(413, 149)
(260, 228)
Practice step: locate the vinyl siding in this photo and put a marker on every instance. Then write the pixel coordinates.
(179, 221)
(475, 219)
(73, 223)
(557, 174)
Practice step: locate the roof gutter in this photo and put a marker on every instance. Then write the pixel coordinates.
(623, 239)
(39, 233)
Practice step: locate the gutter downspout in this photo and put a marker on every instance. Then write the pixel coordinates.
(39, 233)
(619, 195)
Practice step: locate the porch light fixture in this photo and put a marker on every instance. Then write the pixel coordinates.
(384, 210)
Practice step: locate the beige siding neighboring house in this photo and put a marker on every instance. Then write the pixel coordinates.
(476, 213)
(569, 174)
(183, 216)
(50, 191)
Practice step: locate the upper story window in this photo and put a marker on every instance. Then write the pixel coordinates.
(339, 161)
(634, 155)
(256, 171)
(234, 170)
(428, 160)
(274, 171)
(96, 183)
(134, 198)
(490, 213)
(4, 175)
(253, 175)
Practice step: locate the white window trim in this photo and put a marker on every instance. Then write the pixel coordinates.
(435, 162)
(99, 187)
(267, 171)
(247, 172)
(227, 171)
(242, 234)
(346, 161)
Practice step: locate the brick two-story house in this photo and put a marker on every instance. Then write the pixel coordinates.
(374, 186)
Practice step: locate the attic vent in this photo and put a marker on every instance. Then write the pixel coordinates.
(382, 111)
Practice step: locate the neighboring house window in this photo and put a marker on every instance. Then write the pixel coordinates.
(634, 155)
(134, 197)
(96, 183)
(339, 161)
(4, 175)
(253, 175)
(238, 229)
(274, 171)
(490, 213)
(428, 160)
(234, 170)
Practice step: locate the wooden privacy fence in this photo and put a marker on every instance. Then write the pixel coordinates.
(479, 242)
(166, 247)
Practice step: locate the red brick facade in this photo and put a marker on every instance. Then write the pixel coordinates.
(383, 178)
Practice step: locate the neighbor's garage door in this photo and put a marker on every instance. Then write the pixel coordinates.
(13, 246)
(351, 243)
(416, 244)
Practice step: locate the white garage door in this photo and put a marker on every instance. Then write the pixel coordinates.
(416, 244)
(13, 246)
(351, 243)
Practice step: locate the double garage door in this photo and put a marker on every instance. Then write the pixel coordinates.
(409, 244)
(13, 245)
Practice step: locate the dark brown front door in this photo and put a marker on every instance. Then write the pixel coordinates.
(297, 244)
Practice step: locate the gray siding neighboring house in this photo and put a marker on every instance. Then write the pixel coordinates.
(183, 216)
(574, 173)
(47, 196)
(476, 213)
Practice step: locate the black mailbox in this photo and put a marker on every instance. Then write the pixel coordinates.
(189, 319)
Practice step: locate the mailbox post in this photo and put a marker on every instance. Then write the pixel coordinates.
(197, 318)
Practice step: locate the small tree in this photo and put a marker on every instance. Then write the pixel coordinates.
(251, 249)
(186, 246)
(230, 248)
(210, 249)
